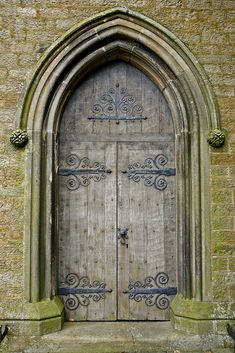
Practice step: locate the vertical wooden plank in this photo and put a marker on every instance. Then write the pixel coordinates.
(165, 118)
(118, 81)
(155, 231)
(138, 241)
(169, 203)
(95, 231)
(83, 99)
(134, 89)
(151, 105)
(131, 260)
(110, 244)
(100, 92)
(123, 258)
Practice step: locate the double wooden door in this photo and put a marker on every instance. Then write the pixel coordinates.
(116, 194)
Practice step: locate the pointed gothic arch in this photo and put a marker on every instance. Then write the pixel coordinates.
(119, 34)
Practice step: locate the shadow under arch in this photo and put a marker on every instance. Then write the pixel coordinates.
(119, 34)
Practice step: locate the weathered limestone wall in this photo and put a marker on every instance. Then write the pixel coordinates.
(28, 27)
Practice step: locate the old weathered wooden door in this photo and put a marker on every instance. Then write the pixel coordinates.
(116, 212)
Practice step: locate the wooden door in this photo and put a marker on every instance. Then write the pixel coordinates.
(146, 207)
(116, 212)
(87, 218)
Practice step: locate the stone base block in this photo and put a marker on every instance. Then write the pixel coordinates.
(201, 318)
(36, 319)
(34, 328)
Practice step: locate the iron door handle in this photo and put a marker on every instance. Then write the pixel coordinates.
(122, 235)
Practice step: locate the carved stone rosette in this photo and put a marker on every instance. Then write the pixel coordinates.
(216, 138)
(19, 138)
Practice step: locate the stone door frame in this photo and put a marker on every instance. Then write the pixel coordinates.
(119, 34)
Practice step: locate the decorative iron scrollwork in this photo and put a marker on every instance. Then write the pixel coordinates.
(82, 290)
(151, 172)
(152, 291)
(117, 104)
(82, 172)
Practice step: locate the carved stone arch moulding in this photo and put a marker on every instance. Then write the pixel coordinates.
(120, 34)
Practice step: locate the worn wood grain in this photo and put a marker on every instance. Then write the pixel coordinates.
(89, 217)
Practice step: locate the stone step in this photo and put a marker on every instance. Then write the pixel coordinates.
(71, 347)
(117, 337)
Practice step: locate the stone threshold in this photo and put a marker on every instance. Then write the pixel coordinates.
(119, 337)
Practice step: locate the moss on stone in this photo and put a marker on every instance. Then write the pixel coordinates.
(191, 308)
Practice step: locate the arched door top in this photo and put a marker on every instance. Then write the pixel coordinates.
(128, 35)
(138, 40)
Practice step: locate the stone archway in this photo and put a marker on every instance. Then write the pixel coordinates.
(131, 37)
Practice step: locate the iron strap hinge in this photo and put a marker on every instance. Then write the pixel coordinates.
(67, 291)
(82, 171)
(152, 291)
(67, 172)
(151, 171)
(81, 291)
(166, 291)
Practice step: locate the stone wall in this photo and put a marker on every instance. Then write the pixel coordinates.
(28, 27)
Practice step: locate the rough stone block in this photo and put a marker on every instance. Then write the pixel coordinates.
(64, 24)
(198, 4)
(222, 196)
(5, 34)
(217, 170)
(224, 223)
(220, 263)
(214, 37)
(225, 4)
(220, 286)
(227, 117)
(3, 74)
(27, 11)
(224, 91)
(222, 210)
(223, 242)
(168, 3)
(223, 159)
(8, 59)
(232, 265)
